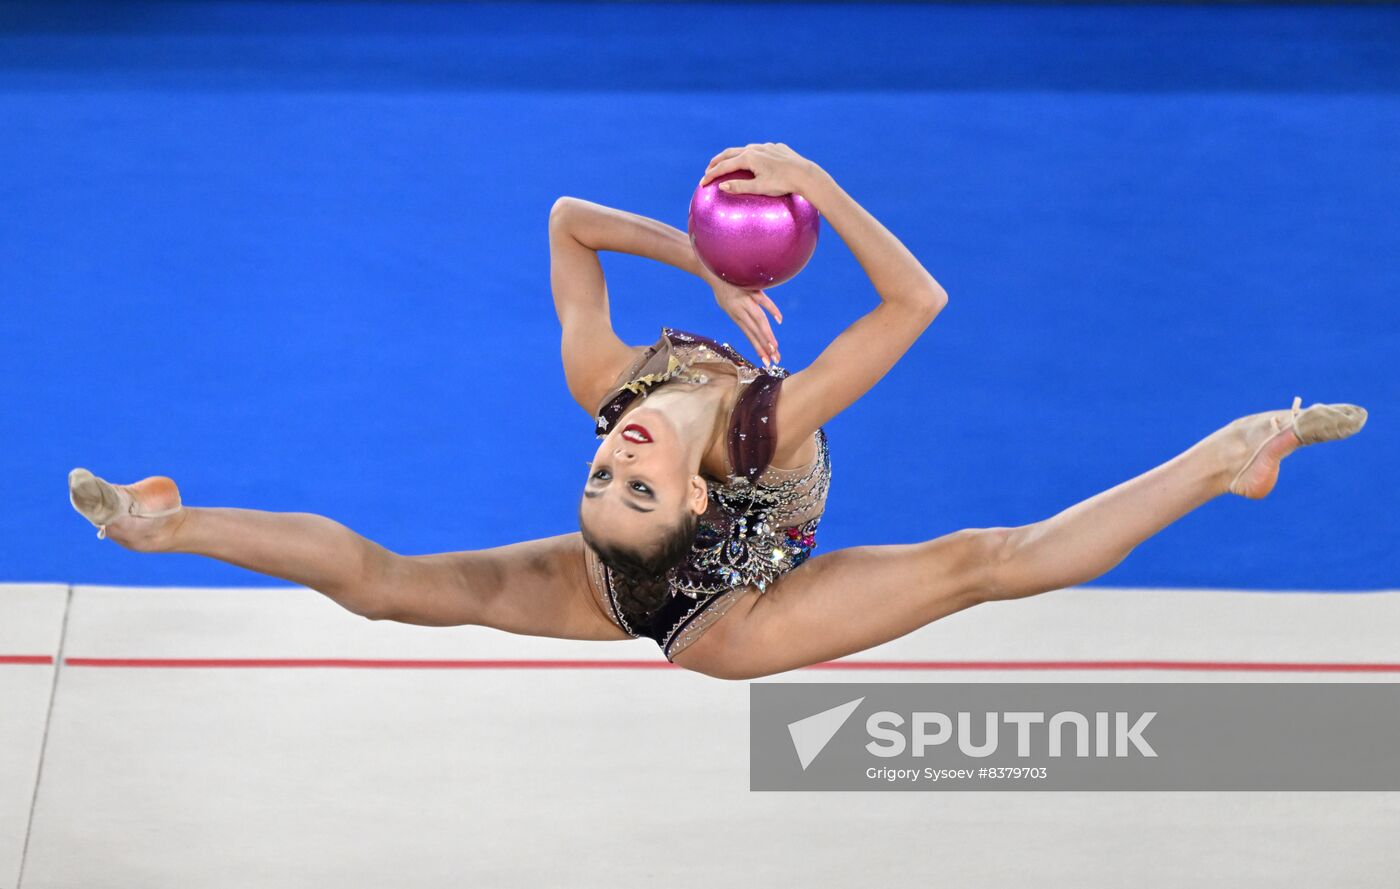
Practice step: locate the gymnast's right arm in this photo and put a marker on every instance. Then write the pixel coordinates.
(593, 354)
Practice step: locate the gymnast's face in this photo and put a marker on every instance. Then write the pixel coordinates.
(639, 482)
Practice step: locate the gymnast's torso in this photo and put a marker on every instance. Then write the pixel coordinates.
(761, 520)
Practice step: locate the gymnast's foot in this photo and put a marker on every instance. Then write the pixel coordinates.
(1261, 441)
(141, 516)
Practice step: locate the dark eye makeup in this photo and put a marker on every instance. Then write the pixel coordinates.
(603, 475)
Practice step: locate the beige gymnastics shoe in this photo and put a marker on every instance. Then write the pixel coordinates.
(1283, 436)
(102, 503)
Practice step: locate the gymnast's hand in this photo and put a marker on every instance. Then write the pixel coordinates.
(776, 170)
(746, 308)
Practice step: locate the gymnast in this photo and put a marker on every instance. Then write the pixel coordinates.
(698, 516)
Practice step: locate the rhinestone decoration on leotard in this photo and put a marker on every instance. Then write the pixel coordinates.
(744, 537)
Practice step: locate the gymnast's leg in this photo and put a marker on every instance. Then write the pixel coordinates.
(847, 601)
(538, 587)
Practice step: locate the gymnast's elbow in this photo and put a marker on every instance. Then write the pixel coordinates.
(937, 297)
(564, 207)
(925, 303)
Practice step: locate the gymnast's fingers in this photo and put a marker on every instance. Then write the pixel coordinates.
(763, 300)
(723, 155)
(750, 326)
(769, 343)
(751, 331)
(725, 166)
(759, 184)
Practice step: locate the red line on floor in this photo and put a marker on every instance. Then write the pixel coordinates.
(25, 659)
(563, 664)
(365, 663)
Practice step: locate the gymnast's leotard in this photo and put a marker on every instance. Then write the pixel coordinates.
(761, 521)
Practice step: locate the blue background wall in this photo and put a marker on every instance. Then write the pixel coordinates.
(295, 257)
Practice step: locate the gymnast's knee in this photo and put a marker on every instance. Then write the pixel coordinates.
(372, 598)
(363, 591)
(985, 561)
(422, 590)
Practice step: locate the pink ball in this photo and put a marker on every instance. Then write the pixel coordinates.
(752, 241)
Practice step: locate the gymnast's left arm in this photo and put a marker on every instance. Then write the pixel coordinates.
(865, 351)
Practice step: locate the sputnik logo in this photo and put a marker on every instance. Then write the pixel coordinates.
(811, 735)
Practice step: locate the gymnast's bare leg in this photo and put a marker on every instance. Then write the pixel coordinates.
(537, 587)
(853, 599)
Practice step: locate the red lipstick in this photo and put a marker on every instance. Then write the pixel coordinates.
(636, 434)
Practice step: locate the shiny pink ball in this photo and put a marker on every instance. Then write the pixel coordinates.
(752, 241)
